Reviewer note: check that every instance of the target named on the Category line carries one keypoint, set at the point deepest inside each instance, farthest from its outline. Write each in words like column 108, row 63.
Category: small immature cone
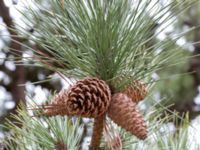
column 124, row 113
column 61, row 146
column 136, row 91
column 113, row 138
column 62, row 2
column 87, row 98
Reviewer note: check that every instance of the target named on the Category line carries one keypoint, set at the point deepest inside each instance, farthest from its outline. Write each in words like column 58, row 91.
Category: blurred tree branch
column 195, row 61
column 22, row 73
column 19, row 76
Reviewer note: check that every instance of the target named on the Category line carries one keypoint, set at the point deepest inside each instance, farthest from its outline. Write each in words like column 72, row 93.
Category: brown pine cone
column 136, row 91
column 58, row 105
column 124, row 113
column 60, row 146
column 87, row 98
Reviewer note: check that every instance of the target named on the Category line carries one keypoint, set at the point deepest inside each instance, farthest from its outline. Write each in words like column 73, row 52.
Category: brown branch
column 99, row 123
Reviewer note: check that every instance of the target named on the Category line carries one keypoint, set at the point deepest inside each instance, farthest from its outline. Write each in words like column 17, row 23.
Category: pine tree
column 110, row 48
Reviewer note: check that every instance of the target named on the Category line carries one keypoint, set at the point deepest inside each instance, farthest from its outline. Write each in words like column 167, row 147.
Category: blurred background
column 179, row 85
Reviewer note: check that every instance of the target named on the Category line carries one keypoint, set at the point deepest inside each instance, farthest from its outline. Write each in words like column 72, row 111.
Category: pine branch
column 104, row 39
column 99, row 124
column 108, row 40
column 43, row 133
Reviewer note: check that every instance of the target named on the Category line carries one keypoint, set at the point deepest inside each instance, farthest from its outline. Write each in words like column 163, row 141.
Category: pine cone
column 136, row 91
column 61, row 146
column 124, row 113
column 88, row 98
column 58, row 105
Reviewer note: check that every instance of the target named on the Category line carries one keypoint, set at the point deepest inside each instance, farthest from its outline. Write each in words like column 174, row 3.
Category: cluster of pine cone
column 91, row 97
